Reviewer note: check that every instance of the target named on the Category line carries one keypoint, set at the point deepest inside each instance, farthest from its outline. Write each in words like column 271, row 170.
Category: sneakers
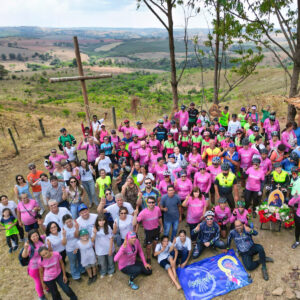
column 101, row 276
column 110, row 275
column 10, row 250
column 269, row 259
column 265, row 274
column 196, row 252
column 15, row 248
column 295, row 245
column 133, row 285
column 91, row 280
column 78, row 279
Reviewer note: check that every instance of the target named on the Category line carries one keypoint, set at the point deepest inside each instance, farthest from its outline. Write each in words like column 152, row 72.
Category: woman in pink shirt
column 154, row 142
column 293, row 201
column 91, row 149
column 103, row 133
column 52, row 271
column 142, row 154
column 214, row 169
column 255, row 176
column 202, row 180
column 30, row 252
column 133, row 146
column 163, row 184
column 183, row 116
column 27, row 210
column 196, row 208
column 126, row 258
column 160, row 168
column 222, row 215
column 275, row 141
column 54, row 157
column 288, row 137
column 240, row 213
column 115, row 139
column 194, row 159
column 225, row 143
column 167, row 123
column 153, row 156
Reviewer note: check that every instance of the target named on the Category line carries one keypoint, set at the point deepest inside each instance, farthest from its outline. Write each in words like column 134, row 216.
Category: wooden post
column 16, row 130
column 82, row 82
column 13, row 140
column 113, row 110
column 42, row 127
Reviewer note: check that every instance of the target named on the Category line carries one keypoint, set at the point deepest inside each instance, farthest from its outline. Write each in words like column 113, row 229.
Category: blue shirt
column 107, row 148
column 297, row 132
column 209, row 234
column 172, row 214
column 154, row 193
column 243, row 241
column 288, row 165
column 235, row 157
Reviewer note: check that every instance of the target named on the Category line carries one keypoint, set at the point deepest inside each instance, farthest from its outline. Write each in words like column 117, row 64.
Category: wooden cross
column 81, row 78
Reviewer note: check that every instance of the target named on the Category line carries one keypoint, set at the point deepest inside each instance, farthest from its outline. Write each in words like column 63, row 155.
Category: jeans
column 167, row 227
column 54, row 291
column 38, row 197
column 13, row 237
column 74, row 210
column 89, row 186
column 182, row 256
column 75, row 266
column 134, row 270
column 297, row 227
column 200, row 247
column 106, row 263
column 247, row 257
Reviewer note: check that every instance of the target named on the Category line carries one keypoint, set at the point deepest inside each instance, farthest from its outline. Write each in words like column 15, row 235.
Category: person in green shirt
column 266, row 114
column 11, row 231
column 224, row 118
column 295, row 182
column 103, row 183
column 242, row 117
column 65, row 137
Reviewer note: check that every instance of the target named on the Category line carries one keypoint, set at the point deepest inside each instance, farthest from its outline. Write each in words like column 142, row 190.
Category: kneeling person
column 208, row 235
column 242, row 235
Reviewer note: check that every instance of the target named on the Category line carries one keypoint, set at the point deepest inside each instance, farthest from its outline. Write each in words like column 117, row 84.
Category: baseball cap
column 126, row 121
column 83, row 232
column 81, row 207
column 139, row 123
column 161, row 121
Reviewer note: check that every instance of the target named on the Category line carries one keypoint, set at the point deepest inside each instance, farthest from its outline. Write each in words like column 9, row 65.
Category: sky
column 85, row 13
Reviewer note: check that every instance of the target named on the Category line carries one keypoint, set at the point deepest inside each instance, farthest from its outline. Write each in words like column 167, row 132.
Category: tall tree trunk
column 296, row 71
column 217, row 52
column 174, row 82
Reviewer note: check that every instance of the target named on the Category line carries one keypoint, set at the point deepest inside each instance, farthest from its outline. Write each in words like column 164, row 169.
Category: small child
column 104, row 246
column 11, row 231
column 165, row 252
column 242, row 214
column 222, row 215
column 88, row 257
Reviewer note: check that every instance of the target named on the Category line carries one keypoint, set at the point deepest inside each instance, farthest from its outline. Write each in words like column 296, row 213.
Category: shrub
column 65, row 112
column 81, row 114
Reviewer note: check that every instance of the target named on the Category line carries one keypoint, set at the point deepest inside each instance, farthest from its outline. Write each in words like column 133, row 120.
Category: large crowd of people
column 208, row 174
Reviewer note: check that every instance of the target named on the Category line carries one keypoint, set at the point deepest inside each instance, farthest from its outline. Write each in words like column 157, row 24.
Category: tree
column 226, row 37
column 163, row 11
column 260, row 28
column 3, row 72
column 3, row 57
column 12, row 56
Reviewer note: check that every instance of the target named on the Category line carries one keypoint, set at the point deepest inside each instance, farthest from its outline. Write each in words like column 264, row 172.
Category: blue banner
column 213, row 276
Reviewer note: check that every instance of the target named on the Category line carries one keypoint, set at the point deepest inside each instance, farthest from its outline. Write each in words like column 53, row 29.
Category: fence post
column 13, row 140
column 114, row 117
column 16, row 130
column 42, row 127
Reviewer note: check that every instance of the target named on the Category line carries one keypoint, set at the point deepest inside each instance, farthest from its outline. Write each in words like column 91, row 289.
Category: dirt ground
column 16, row 282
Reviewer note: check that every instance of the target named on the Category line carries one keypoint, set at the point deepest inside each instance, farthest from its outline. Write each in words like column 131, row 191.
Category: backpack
column 24, row 261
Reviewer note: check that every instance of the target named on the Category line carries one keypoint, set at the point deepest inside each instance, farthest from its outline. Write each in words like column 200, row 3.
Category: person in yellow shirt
column 211, row 152
column 103, row 183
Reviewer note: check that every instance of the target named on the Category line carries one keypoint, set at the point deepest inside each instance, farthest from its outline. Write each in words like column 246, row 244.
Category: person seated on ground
column 126, row 258
column 208, row 235
column 183, row 245
column 165, row 252
column 242, row 236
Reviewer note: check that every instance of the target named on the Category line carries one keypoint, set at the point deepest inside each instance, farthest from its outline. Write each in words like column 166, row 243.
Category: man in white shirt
column 115, row 208
column 103, row 162
column 86, row 220
column 54, row 215
column 96, row 124
column 234, row 125
column 203, row 117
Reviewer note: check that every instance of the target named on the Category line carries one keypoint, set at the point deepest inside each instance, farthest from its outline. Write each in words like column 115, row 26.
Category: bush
column 65, row 112
column 81, row 114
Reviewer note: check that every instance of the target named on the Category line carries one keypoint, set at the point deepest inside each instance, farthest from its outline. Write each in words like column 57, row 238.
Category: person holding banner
column 208, row 235
column 242, row 235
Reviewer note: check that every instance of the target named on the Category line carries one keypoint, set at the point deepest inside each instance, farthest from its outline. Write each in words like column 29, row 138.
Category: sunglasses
column 108, row 194
column 209, row 219
column 202, row 169
column 32, row 168
column 151, row 202
column 72, row 181
column 148, row 183
column 53, row 151
column 20, row 178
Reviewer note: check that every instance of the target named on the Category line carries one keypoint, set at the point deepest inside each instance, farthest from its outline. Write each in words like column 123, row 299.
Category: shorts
column 152, row 235
column 31, row 226
column 165, row 263
column 90, row 266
